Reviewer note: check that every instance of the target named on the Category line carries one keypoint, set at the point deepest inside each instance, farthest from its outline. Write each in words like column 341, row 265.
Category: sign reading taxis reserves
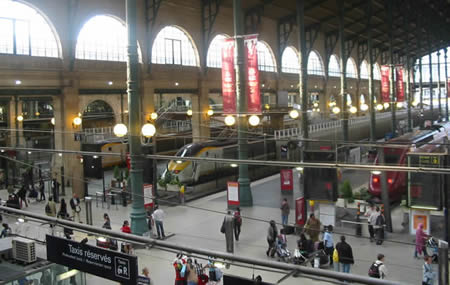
column 104, row 263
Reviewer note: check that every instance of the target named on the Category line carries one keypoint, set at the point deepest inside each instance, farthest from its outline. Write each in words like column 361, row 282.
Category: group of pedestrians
column 376, row 223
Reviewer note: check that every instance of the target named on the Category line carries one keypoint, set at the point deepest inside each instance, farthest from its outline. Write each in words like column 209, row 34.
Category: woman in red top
column 126, row 247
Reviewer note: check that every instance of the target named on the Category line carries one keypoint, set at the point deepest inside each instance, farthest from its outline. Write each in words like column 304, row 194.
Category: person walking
column 328, row 243
column 379, row 228
column 368, row 214
column 63, row 209
column 312, row 228
column 237, row 223
column 146, row 274
column 378, row 269
column 55, row 189
column 227, row 228
column 345, row 253
column 285, row 210
column 50, row 208
column 191, row 273
column 272, row 234
column 76, row 209
column 428, row 273
column 107, row 222
column 421, row 237
column 372, row 222
column 6, row 232
column 22, row 194
column 41, row 188
column 158, row 217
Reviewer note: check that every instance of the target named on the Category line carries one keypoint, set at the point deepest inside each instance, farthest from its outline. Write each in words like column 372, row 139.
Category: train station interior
column 200, row 107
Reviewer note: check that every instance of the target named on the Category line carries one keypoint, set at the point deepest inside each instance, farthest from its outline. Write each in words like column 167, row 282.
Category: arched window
column 173, row 46
column 290, row 61
column 364, row 70
column 266, row 60
column 102, row 38
column 376, row 72
column 214, row 57
column 98, row 108
column 351, row 69
column 362, row 99
column 24, row 31
column 334, row 69
column 315, row 66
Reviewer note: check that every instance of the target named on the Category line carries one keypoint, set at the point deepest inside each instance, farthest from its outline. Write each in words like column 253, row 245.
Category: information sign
column 148, row 195
column 104, row 263
column 233, row 193
column 287, row 180
column 300, row 211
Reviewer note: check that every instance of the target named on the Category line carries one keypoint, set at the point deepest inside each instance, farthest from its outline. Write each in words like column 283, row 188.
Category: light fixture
column 399, row 105
column 110, row 83
column 21, row 220
column 29, row 152
column 230, row 120
column 299, row 168
column 20, row 118
column 353, row 110
column 210, row 112
column 379, row 107
column 176, row 83
column 189, row 112
column 332, row 104
column 2, row 150
column 101, row 239
column 234, row 165
column 81, row 160
column 376, row 172
column 77, row 121
column 336, row 110
column 267, row 106
column 18, row 82
column 253, row 120
column 263, row 85
column 148, row 130
column 95, row 156
column 120, row 130
column 315, row 104
column 294, row 114
column 179, row 161
column 364, row 107
column 154, row 116
column 351, row 87
column 60, row 154
column 126, row 111
column 315, row 86
column 292, row 86
column 415, row 103
column 386, row 105
column 53, row 121
column 37, row 114
column 318, row 110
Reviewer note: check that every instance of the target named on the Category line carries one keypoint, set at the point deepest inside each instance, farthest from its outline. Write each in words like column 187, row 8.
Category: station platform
column 197, row 224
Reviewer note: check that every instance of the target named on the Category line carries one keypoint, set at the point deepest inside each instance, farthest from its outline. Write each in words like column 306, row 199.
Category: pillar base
column 138, row 221
column 245, row 192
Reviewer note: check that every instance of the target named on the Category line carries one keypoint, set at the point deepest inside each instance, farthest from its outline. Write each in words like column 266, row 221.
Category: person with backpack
column 272, row 234
column 428, row 274
column 345, row 254
column 378, row 269
column 237, row 223
column 328, row 243
column 50, row 208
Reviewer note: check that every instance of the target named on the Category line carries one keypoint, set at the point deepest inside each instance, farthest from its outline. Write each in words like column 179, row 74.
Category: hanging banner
column 385, row 84
column 399, row 84
column 448, row 87
column 228, row 77
column 253, row 92
column 287, row 180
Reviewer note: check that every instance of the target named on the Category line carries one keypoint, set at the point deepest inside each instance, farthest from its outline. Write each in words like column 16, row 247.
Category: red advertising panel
column 228, row 77
column 300, row 211
column 385, row 83
column 399, row 84
column 448, row 87
column 253, row 92
column 287, row 180
column 233, row 193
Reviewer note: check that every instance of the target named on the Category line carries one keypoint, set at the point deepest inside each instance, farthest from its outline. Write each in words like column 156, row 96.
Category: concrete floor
column 198, row 223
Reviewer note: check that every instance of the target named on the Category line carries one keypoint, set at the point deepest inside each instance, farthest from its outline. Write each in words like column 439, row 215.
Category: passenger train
column 190, row 172
column 396, row 155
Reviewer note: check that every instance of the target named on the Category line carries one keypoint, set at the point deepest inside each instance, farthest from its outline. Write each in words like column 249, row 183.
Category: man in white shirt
column 372, row 222
column 158, row 216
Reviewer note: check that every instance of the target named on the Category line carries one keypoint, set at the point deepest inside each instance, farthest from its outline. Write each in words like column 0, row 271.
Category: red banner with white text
column 385, row 83
column 399, row 84
column 228, row 77
column 253, row 92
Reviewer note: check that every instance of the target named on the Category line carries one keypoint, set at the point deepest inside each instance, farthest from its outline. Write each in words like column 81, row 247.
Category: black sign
column 142, row 280
column 235, row 280
column 104, row 263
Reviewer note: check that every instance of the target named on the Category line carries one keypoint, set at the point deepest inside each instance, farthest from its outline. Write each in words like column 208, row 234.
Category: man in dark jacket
column 272, row 234
column 345, row 255
column 76, row 209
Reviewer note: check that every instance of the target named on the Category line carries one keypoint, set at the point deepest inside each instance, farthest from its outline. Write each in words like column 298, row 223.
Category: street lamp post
column 138, row 215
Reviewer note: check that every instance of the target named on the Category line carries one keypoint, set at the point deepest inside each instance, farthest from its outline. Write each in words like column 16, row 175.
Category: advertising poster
column 111, row 265
column 300, row 211
column 233, row 193
column 385, row 84
column 228, row 77
column 148, row 195
column 287, row 180
column 399, row 84
column 253, row 92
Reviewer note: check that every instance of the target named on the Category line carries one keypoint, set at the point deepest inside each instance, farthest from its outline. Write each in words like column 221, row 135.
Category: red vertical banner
column 228, row 77
column 448, row 87
column 385, row 83
column 399, row 84
column 286, row 180
column 300, row 211
column 253, row 92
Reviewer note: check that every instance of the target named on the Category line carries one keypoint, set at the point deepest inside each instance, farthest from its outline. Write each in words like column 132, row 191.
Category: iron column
column 392, row 69
column 431, row 77
column 245, row 193
column 439, row 84
column 343, row 63
column 373, row 137
column 303, row 76
column 446, row 85
column 420, row 84
column 408, row 72
column 138, row 215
